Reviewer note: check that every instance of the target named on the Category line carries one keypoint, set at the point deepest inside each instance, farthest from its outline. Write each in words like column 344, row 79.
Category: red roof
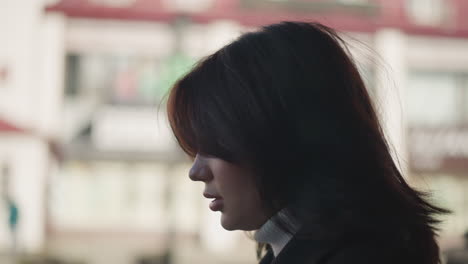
column 6, row 126
column 382, row 14
column 54, row 146
column 139, row 10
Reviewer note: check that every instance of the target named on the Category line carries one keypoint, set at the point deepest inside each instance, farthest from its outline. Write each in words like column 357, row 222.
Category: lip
column 211, row 196
column 217, row 204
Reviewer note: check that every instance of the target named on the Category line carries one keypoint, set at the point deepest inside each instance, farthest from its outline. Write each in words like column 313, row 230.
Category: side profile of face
column 233, row 190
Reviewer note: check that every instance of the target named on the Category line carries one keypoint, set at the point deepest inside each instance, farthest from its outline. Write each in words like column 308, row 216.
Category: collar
column 303, row 250
column 270, row 233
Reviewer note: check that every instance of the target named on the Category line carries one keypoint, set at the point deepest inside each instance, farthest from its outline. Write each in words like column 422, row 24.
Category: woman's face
column 233, row 190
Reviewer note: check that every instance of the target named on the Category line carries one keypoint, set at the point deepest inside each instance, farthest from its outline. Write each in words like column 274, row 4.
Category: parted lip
column 210, row 196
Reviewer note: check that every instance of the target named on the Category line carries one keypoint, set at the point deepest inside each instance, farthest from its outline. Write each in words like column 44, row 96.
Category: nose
column 200, row 170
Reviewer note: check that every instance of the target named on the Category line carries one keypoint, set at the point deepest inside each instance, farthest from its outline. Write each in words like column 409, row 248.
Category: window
column 188, row 5
column 437, row 118
column 437, row 98
column 118, row 79
column 428, row 12
column 92, row 195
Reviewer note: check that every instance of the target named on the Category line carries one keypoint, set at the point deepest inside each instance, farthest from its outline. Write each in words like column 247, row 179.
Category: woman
column 285, row 137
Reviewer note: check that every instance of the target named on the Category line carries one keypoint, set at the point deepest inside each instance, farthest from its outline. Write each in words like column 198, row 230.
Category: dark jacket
column 356, row 251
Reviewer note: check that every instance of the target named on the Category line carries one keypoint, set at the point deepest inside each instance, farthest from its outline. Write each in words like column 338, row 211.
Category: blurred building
column 90, row 74
column 29, row 104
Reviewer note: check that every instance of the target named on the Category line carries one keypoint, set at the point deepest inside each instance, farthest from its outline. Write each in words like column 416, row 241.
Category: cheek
column 242, row 188
column 235, row 184
column 240, row 191
column 242, row 205
column 243, row 208
column 235, row 181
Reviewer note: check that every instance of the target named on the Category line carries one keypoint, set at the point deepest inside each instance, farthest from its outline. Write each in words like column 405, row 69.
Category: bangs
column 194, row 112
column 178, row 111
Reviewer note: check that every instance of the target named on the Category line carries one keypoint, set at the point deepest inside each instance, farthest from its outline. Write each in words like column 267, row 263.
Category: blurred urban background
column 89, row 170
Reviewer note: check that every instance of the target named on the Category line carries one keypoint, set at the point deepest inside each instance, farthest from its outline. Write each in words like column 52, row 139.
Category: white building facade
column 91, row 74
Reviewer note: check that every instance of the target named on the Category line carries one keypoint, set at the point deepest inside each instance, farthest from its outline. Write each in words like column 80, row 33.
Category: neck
column 270, row 233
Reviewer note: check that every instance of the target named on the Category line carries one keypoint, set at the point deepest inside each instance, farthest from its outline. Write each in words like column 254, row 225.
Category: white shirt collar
column 270, row 233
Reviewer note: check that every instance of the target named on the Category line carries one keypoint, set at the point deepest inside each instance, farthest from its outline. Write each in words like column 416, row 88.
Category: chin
column 230, row 224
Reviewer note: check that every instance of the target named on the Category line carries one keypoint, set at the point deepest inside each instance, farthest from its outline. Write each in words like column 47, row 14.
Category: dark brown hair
column 289, row 102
